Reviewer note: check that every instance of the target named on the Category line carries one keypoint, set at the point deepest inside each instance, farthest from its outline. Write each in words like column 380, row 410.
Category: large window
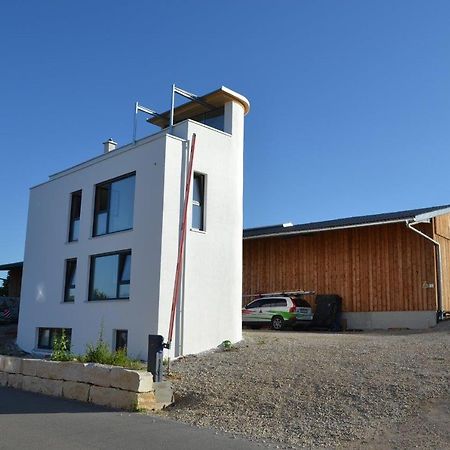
column 46, row 336
column 114, row 205
column 198, row 202
column 110, row 276
column 75, row 212
column 71, row 272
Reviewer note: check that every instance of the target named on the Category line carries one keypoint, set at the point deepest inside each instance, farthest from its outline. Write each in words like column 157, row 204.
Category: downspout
column 440, row 313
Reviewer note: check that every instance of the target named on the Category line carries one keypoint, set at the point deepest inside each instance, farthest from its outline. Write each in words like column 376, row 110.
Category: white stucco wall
column 209, row 309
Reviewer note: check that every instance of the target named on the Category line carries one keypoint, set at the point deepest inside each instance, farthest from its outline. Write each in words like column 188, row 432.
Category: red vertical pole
column 181, row 244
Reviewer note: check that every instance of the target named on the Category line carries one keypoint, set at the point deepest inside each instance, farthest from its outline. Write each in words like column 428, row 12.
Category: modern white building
column 102, row 238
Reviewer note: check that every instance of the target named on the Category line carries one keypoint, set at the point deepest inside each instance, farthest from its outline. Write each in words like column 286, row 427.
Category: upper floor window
column 110, row 276
column 214, row 118
column 114, row 205
column 198, row 202
column 69, row 288
column 75, row 212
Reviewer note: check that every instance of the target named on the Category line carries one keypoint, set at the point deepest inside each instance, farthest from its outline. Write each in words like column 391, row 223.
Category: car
column 278, row 311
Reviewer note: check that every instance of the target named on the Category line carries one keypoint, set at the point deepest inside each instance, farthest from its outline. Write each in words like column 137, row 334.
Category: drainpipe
column 440, row 313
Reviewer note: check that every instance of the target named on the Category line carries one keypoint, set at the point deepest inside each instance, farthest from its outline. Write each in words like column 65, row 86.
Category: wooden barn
column 392, row 270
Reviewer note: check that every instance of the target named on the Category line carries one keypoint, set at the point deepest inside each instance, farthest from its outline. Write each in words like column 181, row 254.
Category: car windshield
column 301, row 302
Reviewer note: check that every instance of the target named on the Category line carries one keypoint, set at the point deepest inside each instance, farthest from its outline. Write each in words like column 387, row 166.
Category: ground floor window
column 121, row 340
column 110, row 276
column 46, row 336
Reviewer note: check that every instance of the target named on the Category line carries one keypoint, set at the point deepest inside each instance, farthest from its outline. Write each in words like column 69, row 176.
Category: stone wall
column 111, row 386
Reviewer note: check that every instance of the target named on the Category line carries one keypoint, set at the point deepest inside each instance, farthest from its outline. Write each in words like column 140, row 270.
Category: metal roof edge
column 317, row 230
column 431, row 214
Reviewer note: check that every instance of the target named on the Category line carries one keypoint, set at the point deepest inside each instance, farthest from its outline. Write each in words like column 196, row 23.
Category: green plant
column 227, row 345
column 101, row 353
column 61, row 348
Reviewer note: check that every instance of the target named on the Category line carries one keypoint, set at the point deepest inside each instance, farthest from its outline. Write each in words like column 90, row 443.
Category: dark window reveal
column 71, row 272
column 198, row 202
column 214, row 118
column 75, row 212
column 46, row 336
column 110, row 276
column 121, row 339
column 114, row 205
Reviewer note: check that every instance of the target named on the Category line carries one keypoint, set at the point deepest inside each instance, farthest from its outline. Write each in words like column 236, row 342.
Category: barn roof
column 14, row 265
column 348, row 222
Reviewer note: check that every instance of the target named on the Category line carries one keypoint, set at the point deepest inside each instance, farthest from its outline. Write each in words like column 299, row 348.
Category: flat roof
column 348, row 222
column 215, row 99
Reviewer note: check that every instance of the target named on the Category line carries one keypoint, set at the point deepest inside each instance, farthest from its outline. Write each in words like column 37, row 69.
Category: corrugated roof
column 347, row 222
column 10, row 266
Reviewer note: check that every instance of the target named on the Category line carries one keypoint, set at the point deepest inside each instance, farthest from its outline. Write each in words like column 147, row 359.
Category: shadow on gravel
column 15, row 401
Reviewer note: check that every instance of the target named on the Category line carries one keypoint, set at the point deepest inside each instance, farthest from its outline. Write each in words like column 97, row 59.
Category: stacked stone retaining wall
column 111, row 386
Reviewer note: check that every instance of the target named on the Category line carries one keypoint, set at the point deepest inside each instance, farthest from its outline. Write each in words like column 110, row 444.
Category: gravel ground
column 309, row 390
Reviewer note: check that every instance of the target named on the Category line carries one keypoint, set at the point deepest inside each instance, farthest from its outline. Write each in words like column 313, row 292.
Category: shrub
column 101, row 353
column 61, row 348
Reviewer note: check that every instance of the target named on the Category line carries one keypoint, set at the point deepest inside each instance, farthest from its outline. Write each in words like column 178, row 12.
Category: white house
column 102, row 239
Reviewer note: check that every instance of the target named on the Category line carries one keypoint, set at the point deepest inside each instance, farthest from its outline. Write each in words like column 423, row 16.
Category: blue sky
column 350, row 99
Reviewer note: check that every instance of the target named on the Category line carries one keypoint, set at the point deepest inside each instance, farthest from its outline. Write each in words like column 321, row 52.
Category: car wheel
column 277, row 323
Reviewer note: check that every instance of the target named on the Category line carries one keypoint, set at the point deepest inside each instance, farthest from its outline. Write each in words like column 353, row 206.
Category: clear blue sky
column 350, row 99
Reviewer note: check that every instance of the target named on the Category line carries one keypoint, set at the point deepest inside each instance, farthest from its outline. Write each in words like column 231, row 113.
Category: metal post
column 136, row 108
column 172, row 107
column 155, row 356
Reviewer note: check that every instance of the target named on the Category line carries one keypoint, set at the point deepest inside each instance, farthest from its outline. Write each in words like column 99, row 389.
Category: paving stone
column 96, row 374
column 114, row 398
column 15, row 380
column 10, row 364
column 3, row 379
column 30, row 366
column 75, row 390
column 131, row 380
column 72, row 371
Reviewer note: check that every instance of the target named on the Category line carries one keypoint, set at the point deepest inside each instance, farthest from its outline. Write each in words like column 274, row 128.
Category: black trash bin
column 328, row 312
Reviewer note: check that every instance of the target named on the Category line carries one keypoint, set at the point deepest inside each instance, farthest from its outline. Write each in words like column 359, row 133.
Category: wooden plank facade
column 373, row 268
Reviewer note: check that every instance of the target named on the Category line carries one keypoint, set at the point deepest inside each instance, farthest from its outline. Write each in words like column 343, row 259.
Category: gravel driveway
column 294, row 389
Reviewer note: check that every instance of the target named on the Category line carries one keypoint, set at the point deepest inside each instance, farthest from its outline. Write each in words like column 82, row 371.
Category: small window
column 110, row 276
column 114, row 205
column 75, row 213
column 198, row 202
column 46, row 336
column 71, row 272
column 214, row 118
column 121, row 340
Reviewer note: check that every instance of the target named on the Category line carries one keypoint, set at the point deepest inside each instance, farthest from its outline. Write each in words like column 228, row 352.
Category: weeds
column 61, row 348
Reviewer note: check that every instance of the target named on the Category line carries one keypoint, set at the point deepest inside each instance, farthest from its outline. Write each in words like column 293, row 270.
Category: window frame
column 120, row 253
column 52, row 333
column 67, row 287
column 108, row 184
column 200, row 204
column 72, row 218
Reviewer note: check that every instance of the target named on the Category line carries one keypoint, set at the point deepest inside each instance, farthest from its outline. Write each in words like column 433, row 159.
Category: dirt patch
column 312, row 390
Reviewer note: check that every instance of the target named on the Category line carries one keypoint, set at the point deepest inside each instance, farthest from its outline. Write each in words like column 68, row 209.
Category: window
column 110, row 276
column 121, row 340
column 46, row 336
column 275, row 302
column 255, row 304
column 198, row 202
column 75, row 212
column 214, row 118
column 69, row 288
column 114, row 205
